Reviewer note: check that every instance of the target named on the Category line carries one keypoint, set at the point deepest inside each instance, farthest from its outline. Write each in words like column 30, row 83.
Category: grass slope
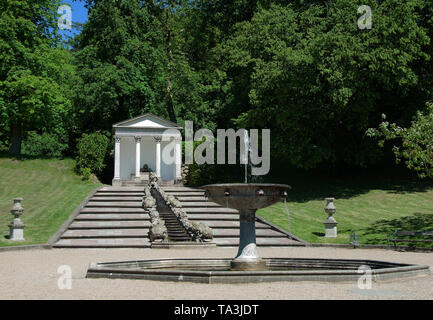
column 370, row 206
column 51, row 192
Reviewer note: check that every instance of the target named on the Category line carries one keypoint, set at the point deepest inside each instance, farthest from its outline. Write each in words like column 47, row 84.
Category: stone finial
column 16, row 227
column 330, row 223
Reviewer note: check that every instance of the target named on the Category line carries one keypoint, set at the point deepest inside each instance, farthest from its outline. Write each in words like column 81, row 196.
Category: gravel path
column 32, row 274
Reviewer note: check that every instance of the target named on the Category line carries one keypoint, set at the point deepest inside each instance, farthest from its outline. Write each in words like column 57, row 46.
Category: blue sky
column 79, row 14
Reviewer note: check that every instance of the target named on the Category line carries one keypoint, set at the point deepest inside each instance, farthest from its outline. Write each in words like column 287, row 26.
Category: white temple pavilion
column 147, row 140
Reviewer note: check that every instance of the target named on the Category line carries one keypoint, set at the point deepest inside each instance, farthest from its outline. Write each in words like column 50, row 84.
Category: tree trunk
column 169, row 94
column 16, row 138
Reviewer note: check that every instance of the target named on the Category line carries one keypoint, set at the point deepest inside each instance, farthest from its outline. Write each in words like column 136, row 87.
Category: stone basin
column 247, row 198
column 279, row 269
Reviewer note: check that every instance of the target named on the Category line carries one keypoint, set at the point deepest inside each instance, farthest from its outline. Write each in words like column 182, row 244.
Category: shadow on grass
column 318, row 184
column 318, row 234
column 379, row 230
column 27, row 157
column 312, row 188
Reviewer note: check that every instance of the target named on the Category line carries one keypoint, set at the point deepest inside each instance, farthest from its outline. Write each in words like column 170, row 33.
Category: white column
column 137, row 157
column 178, row 163
column 116, row 160
column 158, row 156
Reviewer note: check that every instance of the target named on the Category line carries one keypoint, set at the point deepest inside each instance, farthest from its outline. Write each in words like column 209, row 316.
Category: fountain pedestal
column 247, row 257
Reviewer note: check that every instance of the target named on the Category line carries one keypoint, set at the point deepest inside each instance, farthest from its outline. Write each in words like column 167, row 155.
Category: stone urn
column 330, row 223
column 16, row 227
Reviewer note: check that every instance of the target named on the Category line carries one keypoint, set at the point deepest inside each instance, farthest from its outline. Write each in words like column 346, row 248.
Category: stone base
column 16, row 234
column 248, row 265
column 182, row 245
column 116, row 183
column 330, row 231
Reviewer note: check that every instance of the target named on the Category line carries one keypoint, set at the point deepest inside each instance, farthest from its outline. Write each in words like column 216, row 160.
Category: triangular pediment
column 147, row 120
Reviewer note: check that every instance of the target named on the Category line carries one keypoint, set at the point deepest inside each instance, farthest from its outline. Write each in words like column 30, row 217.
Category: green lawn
column 370, row 206
column 51, row 192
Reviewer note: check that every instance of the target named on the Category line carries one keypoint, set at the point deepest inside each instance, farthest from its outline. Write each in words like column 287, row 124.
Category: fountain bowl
column 243, row 196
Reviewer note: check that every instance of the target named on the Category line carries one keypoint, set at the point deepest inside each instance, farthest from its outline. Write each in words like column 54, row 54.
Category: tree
column 34, row 69
column 415, row 145
column 308, row 73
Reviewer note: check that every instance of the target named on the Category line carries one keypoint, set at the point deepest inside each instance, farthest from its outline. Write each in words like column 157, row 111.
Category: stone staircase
column 224, row 222
column 176, row 232
column 114, row 218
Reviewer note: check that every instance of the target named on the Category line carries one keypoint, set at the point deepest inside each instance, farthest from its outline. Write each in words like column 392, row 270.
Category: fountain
column 247, row 266
column 247, row 199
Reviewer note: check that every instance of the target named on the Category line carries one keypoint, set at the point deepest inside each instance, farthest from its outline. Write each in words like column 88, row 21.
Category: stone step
column 112, row 210
column 261, row 242
column 109, row 224
column 119, row 194
column 193, row 198
column 224, row 224
column 182, row 189
column 235, row 233
column 210, row 210
column 109, row 216
column 103, row 243
column 207, row 216
column 177, row 230
column 106, row 233
column 201, row 204
column 185, row 194
column 116, row 198
column 134, row 183
column 109, row 204
column 121, row 189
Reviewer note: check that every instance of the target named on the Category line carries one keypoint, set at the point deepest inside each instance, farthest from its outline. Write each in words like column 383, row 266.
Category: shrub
column 86, row 174
column 414, row 143
column 45, row 144
column 92, row 152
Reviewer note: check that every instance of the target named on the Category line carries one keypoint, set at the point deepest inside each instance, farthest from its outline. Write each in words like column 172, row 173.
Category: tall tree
column 34, row 69
column 130, row 60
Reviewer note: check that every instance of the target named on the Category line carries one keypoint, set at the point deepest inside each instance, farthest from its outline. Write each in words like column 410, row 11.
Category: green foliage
column 318, row 82
column 130, row 60
column 416, row 141
column 86, row 174
column 202, row 174
column 92, row 152
column 34, row 70
column 45, row 144
column 300, row 68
